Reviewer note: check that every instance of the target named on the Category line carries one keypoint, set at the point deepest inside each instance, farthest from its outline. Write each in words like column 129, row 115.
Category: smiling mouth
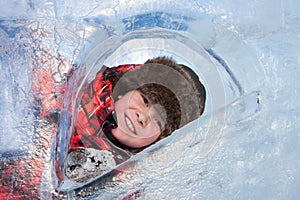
column 129, row 124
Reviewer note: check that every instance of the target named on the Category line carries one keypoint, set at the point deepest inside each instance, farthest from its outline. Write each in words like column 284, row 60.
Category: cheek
column 118, row 105
column 140, row 142
column 134, row 142
column 120, row 108
column 149, row 139
column 151, row 132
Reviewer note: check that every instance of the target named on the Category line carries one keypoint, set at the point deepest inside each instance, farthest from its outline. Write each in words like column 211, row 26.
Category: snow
column 236, row 47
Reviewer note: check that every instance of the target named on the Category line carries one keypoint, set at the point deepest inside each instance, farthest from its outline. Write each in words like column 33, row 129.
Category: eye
column 145, row 99
column 159, row 124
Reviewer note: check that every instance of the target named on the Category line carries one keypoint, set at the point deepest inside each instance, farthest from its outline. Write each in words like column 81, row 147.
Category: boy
column 127, row 108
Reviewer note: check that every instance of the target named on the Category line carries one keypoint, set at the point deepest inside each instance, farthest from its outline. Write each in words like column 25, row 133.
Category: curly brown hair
column 174, row 86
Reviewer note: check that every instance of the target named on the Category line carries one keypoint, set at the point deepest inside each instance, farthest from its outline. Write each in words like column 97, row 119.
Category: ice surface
column 246, row 46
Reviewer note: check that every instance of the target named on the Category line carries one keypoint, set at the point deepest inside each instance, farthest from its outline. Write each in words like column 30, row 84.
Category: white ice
column 253, row 157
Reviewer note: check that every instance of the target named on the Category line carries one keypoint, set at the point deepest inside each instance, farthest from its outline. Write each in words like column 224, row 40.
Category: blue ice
column 247, row 145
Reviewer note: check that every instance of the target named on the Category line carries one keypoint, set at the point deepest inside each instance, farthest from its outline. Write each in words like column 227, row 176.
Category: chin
column 139, row 145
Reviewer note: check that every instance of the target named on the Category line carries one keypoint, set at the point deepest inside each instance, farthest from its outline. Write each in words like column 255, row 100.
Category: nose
column 143, row 116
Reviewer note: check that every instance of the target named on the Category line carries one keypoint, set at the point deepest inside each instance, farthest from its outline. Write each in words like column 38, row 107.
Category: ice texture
column 254, row 46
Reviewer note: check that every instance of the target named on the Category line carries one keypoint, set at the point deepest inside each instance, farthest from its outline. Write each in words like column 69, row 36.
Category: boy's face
column 139, row 122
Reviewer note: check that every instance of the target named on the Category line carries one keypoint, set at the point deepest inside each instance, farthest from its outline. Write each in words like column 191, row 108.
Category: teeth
column 129, row 124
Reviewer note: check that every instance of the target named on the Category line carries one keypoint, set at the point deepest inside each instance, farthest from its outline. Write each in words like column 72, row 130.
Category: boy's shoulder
column 110, row 73
column 119, row 68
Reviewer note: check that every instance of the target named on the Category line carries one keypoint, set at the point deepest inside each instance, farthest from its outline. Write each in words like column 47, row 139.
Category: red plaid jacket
column 96, row 106
column 22, row 179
